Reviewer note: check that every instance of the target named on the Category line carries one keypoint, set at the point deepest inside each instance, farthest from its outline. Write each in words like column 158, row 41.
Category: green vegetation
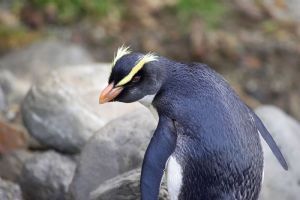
column 270, row 26
column 11, row 38
column 68, row 11
column 71, row 10
column 211, row 11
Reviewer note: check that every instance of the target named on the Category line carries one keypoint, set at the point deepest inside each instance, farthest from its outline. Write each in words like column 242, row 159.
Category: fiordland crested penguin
column 206, row 137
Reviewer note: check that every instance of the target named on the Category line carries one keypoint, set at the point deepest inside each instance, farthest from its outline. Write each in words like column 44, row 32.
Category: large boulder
column 124, row 186
column 116, row 148
column 62, row 110
column 47, row 176
column 280, row 184
column 36, row 60
column 19, row 69
column 9, row 191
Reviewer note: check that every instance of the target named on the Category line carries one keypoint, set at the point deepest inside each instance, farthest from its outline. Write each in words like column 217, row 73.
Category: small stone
column 47, row 176
column 2, row 101
column 9, row 191
column 124, row 187
column 249, row 8
column 11, row 138
column 13, row 88
column 7, row 18
column 283, row 10
column 116, row 148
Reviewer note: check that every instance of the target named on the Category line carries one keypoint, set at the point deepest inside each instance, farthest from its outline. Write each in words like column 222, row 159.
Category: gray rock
column 2, row 101
column 14, row 88
column 11, row 164
column 279, row 184
column 9, row 191
column 47, row 177
column 62, row 111
column 20, row 68
column 36, row 60
column 116, row 148
column 124, row 187
column 56, row 119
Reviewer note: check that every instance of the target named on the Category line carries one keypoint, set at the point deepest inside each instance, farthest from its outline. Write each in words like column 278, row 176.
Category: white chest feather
column 147, row 101
column 174, row 178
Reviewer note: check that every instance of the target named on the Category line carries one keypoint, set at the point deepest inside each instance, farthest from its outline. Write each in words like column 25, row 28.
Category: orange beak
column 109, row 93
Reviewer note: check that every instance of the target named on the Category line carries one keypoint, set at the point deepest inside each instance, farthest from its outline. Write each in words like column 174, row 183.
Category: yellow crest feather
column 145, row 59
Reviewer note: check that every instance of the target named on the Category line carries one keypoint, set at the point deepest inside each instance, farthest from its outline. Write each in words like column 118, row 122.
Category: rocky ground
column 57, row 142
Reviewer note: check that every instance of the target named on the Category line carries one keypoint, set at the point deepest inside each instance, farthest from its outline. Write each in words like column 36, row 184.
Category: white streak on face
column 147, row 101
column 174, row 178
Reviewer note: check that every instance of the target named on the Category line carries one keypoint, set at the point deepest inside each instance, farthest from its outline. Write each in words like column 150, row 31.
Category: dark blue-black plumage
column 218, row 144
column 203, row 124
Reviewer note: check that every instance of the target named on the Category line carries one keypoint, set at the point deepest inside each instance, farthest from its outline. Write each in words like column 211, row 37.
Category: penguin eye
column 136, row 79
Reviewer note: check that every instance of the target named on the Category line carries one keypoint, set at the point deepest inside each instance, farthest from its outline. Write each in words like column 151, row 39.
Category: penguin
column 207, row 139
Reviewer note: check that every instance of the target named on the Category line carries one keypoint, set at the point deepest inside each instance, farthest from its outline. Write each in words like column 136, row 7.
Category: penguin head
column 133, row 76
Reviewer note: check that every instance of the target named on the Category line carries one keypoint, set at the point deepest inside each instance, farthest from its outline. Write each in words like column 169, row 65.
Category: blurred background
column 255, row 44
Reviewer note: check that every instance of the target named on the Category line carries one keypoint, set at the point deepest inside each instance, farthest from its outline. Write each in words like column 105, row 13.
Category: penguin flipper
column 160, row 148
column 270, row 141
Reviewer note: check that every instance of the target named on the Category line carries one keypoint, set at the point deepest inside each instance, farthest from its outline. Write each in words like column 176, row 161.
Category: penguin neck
column 161, row 72
column 168, row 70
column 171, row 71
column 147, row 102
